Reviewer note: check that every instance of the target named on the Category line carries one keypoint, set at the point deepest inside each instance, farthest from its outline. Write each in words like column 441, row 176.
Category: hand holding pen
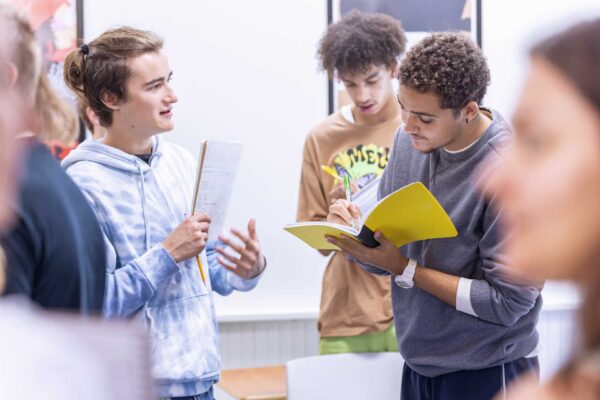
column 338, row 190
column 343, row 211
column 348, row 191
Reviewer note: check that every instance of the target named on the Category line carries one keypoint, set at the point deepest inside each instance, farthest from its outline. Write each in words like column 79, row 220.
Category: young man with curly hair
column 361, row 50
column 464, row 328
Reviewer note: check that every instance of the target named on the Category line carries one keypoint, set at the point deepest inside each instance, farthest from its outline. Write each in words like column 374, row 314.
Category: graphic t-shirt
column 353, row 302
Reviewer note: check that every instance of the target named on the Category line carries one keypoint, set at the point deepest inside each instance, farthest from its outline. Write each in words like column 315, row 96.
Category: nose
column 410, row 123
column 171, row 96
column 362, row 95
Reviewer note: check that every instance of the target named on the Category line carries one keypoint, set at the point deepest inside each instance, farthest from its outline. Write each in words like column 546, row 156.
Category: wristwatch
column 405, row 281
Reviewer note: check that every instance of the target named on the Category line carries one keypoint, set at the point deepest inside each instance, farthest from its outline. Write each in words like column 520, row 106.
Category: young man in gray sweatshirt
column 464, row 327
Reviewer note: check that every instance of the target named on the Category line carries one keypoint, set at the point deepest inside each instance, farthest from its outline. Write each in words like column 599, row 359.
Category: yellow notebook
column 407, row 215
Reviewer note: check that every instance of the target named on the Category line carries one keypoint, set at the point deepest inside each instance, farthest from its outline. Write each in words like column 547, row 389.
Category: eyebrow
column 423, row 114
column 373, row 75
column 158, row 80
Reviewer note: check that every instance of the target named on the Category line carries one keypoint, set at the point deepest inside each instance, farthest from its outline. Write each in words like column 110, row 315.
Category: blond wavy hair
column 56, row 120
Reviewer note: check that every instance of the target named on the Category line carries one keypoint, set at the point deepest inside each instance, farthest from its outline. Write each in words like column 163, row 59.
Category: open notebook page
column 366, row 198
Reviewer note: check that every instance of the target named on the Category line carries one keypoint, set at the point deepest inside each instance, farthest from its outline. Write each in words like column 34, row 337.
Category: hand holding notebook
column 409, row 214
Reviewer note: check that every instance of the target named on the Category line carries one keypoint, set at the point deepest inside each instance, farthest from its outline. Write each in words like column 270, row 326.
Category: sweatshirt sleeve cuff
column 463, row 297
column 157, row 265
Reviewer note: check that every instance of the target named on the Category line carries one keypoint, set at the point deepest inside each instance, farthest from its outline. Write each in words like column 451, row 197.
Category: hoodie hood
column 100, row 153
column 96, row 152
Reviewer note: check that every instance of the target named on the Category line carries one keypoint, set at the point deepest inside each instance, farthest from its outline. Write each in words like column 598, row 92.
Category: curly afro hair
column 359, row 41
column 448, row 64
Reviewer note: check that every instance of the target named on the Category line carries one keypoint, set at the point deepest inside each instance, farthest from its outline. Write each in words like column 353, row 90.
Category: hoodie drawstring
column 144, row 208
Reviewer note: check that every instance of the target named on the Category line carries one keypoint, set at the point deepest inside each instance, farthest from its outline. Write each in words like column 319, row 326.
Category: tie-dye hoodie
column 138, row 205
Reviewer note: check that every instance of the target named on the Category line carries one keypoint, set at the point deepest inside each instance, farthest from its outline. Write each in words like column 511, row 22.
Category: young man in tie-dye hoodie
column 140, row 187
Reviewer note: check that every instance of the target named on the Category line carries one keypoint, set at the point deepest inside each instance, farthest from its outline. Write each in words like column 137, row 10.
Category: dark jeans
column 481, row 384
column 204, row 396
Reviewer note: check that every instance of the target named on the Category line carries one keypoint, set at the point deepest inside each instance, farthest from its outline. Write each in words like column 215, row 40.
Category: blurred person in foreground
column 549, row 187
column 55, row 252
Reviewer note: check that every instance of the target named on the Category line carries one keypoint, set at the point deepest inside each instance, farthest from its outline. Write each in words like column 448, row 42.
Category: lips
column 167, row 113
column 366, row 108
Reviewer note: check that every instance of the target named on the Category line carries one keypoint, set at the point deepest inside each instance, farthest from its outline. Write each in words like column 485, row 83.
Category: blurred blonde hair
column 56, row 120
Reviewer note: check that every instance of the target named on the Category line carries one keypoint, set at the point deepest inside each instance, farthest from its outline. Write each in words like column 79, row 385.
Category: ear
column 110, row 100
column 395, row 70
column 9, row 75
column 470, row 111
column 91, row 115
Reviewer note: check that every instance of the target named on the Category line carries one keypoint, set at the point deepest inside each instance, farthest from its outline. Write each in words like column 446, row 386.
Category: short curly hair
column 448, row 64
column 359, row 41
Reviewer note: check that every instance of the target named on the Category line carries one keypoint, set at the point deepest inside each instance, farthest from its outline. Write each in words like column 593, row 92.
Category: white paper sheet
column 219, row 169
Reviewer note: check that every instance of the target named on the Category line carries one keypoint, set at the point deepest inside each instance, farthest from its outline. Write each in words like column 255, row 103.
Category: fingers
column 231, row 260
column 352, row 245
column 383, row 241
column 347, row 244
column 231, row 267
column 203, row 226
column 241, row 266
column 248, row 251
column 200, row 217
column 339, row 212
column 349, row 249
column 237, row 248
column 250, row 244
column 252, row 228
column 354, row 211
column 200, row 235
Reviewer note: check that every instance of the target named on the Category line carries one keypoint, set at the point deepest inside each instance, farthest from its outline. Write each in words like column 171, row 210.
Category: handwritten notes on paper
column 217, row 169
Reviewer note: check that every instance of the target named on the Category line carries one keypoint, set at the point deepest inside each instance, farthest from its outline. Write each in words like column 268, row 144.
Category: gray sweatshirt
column 495, row 319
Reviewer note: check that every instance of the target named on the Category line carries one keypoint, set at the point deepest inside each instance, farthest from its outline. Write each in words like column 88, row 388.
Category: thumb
column 383, row 241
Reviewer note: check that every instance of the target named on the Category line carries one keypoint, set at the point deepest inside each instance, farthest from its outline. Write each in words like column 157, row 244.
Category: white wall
column 247, row 71
column 258, row 343
column 510, row 27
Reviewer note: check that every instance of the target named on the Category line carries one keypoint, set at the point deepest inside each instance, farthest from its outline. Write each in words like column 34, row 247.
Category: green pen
column 347, row 188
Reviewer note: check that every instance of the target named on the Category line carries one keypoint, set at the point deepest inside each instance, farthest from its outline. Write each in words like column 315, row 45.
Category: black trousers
column 481, row 384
